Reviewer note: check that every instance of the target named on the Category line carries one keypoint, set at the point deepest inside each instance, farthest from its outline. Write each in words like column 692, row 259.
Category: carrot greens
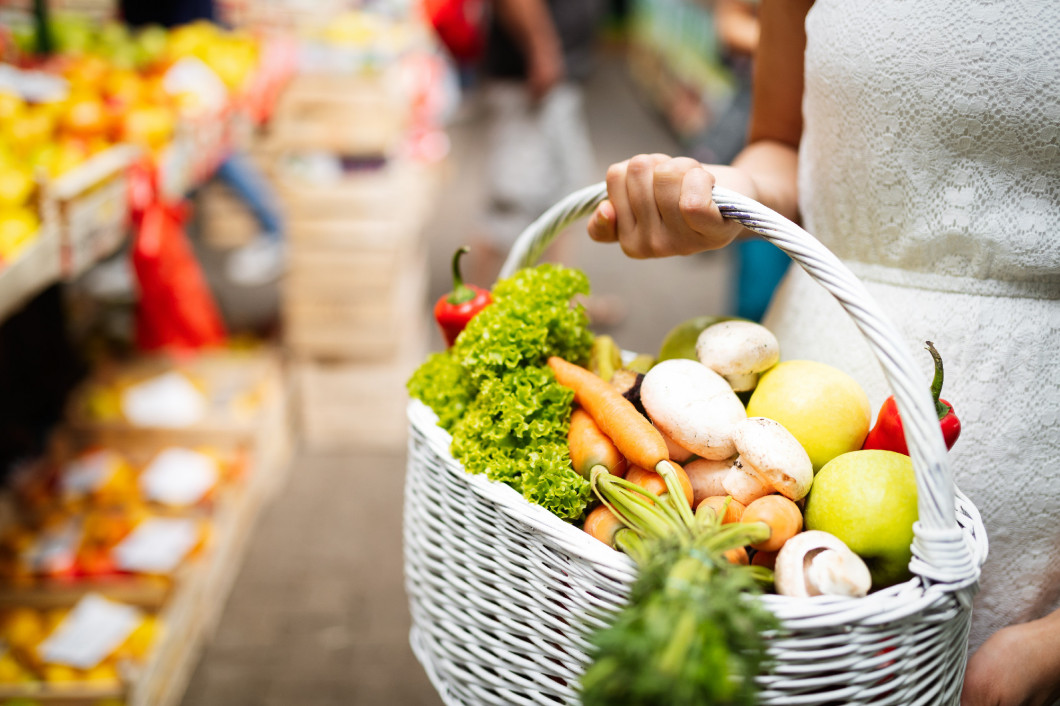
column 692, row 632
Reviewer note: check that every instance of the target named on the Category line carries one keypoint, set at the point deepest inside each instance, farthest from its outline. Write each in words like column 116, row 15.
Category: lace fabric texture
column 930, row 163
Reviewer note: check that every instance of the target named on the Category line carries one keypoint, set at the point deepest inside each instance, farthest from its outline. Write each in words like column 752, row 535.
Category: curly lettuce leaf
column 444, row 385
column 515, row 433
column 493, row 390
column 530, row 319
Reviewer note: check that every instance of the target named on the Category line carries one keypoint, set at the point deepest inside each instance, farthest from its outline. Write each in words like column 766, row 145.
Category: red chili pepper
column 888, row 433
column 453, row 310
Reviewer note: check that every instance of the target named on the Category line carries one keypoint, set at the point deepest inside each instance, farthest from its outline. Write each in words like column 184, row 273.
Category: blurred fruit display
column 136, row 516
column 86, row 649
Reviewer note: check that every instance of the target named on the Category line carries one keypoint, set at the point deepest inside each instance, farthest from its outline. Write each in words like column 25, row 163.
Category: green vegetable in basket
column 692, row 632
column 494, row 393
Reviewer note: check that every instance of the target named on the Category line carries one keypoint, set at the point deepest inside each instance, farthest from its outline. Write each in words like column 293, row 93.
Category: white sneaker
column 258, row 262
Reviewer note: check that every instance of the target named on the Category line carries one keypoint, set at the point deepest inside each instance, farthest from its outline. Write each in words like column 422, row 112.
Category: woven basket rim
column 909, row 597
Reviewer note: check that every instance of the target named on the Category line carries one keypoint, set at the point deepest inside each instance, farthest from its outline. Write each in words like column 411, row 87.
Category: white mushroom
column 706, row 476
column 692, row 405
column 770, row 460
column 816, row 563
column 677, row 452
column 738, row 351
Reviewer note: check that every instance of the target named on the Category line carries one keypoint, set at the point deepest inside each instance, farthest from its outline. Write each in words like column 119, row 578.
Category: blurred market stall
column 132, row 484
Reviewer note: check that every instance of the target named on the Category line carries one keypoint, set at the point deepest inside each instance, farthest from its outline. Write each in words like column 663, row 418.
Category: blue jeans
column 244, row 178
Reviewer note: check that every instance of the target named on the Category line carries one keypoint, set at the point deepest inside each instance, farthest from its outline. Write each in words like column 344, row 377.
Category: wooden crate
column 91, row 207
column 358, row 323
column 348, row 113
column 34, row 269
column 248, row 387
column 179, row 625
column 395, row 191
column 348, row 259
column 345, row 405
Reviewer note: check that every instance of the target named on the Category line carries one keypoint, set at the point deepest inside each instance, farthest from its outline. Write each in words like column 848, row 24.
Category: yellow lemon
column 823, row 407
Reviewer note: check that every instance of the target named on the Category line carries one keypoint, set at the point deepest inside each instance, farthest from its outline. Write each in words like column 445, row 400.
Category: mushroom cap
column 815, row 563
column 693, row 405
column 771, row 451
column 677, row 452
column 737, row 348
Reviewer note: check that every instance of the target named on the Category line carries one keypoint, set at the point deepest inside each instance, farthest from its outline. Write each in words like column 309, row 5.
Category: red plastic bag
column 460, row 25
column 176, row 310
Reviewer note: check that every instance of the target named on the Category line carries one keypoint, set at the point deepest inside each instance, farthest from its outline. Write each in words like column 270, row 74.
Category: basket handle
column 940, row 552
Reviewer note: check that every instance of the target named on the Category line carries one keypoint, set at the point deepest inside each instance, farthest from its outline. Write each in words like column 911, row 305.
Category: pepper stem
column 461, row 292
column 941, row 408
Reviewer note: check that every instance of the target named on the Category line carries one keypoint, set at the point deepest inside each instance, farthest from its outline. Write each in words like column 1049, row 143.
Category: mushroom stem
column 833, row 573
column 744, row 484
column 742, row 383
column 815, row 563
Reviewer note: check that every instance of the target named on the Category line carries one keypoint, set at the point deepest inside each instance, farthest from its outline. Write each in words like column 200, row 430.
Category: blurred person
column 537, row 55
column 263, row 259
column 918, row 142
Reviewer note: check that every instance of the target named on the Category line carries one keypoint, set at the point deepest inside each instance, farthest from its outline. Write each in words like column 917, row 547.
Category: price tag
column 90, row 632
column 179, row 477
column 88, row 472
column 168, row 400
column 55, row 549
column 157, row 545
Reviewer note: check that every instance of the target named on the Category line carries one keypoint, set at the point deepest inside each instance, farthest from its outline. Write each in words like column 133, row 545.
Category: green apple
column 868, row 500
column 680, row 341
column 822, row 407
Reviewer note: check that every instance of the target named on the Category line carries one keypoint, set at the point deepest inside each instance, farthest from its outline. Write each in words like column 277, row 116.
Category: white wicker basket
column 503, row 594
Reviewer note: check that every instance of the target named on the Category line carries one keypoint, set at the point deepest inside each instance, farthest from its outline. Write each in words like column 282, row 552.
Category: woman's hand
column 660, row 206
column 1018, row 666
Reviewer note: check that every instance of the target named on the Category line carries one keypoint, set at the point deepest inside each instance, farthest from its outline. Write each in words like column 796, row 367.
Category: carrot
column 628, row 429
column 729, row 509
column 653, row 482
column 766, row 559
column 602, row 524
column 781, row 515
column 737, row 555
column 590, row 447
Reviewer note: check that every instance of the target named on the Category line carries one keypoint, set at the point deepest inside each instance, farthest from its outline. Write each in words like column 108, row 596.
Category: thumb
column 602, row 226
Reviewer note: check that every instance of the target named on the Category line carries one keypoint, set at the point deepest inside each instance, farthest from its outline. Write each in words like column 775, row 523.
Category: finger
column 616, row 194
column 668, row 182
column 602, row 223
column 640, row 186
column 699, row 211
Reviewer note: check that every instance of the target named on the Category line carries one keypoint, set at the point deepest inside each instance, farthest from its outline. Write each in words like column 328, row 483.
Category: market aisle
column 318, row 615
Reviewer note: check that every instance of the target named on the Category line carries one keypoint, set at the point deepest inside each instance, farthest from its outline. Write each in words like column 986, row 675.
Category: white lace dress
column 930, row 163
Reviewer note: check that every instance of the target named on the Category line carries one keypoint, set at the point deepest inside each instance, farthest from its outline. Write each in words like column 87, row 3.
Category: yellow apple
column 823, row 407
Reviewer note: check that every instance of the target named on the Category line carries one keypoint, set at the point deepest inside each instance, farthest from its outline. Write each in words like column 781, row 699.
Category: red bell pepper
column 452, row 311
column 888, row 433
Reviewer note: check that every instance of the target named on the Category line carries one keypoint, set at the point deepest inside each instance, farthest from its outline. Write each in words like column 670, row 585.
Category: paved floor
column 318, row 615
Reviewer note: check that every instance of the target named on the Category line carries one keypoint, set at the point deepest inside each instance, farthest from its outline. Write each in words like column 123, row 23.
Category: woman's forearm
column 771, row 169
